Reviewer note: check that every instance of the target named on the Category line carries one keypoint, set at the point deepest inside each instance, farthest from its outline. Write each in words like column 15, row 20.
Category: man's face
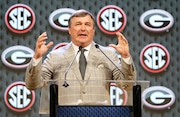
column 82, row 30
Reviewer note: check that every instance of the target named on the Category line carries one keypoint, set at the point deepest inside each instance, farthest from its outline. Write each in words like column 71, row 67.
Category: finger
column 42, row 37
column 41, row 41
column 43, row 34
column 119, row 35
column 50, row 44
column 121, row 38
column 39, row 44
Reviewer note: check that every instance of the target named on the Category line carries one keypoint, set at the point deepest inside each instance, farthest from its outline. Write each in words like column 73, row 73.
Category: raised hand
column 41, row 46
column 122, row 47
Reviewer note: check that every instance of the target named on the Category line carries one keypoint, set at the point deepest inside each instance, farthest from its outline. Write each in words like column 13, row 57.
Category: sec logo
column 154, row 58
column 158, row 97
column 118, row 96
column 17, row 56
column 18, row 98
column 156, row 20
column 111, row 19
column 58, row 19
column 20, row 18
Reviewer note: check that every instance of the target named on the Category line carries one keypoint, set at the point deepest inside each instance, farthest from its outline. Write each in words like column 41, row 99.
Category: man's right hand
column 41, row 47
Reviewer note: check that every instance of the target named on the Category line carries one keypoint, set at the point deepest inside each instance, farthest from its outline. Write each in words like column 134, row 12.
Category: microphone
column 67, row 70
column 97, row 46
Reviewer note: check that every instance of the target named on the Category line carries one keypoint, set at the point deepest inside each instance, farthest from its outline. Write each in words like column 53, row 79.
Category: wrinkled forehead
column 83, row 19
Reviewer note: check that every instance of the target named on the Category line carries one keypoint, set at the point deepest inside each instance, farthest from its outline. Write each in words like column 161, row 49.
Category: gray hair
column 81, row 13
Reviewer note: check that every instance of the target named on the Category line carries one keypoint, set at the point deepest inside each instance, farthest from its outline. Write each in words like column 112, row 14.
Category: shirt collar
column 76, row 48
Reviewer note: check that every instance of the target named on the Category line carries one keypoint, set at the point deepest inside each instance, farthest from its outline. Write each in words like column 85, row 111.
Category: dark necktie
column 82, row 63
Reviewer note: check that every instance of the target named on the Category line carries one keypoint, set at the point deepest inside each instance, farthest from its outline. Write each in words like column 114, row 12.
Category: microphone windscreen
column 80, row 48
column 96, row 45
column 137, row 100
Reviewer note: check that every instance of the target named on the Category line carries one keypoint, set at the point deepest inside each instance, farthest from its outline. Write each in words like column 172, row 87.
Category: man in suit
column 81, row 90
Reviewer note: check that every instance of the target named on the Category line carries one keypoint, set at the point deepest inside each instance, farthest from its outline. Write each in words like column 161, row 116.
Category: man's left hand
column 122, row 47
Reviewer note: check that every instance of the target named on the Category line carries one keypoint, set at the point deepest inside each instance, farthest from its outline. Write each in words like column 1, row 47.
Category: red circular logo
column 18, row 98
column 20, row 18
column 111, row 19
column 154, row 58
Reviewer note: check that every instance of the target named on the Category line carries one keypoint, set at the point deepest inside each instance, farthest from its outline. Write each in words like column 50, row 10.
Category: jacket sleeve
column 129, row 70
column 35, row 74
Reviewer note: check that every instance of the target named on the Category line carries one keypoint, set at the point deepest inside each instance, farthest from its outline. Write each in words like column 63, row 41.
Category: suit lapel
column 92, row 61
column 69, row 56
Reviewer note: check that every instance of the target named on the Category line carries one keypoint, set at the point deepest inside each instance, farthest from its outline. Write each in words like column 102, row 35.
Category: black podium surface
column 94, row 111
column 92, row 98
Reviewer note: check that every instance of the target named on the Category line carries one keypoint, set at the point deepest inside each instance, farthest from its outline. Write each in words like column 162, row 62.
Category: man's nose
column 83, row 27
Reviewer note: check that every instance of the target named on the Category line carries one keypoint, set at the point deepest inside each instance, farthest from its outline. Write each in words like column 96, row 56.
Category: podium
column 89, row 98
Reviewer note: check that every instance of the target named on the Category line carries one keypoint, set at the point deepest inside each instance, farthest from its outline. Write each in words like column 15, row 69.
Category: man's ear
column 69, row 31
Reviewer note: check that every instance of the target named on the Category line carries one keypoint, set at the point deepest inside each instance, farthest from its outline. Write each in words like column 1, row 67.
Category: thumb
column 50, row 44
column 113, row 45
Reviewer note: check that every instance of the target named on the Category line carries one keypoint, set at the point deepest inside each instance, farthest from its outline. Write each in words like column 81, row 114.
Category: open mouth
column 82, row 35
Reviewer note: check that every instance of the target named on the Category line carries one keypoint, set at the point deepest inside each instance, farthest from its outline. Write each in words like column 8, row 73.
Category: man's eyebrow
column 85, row 22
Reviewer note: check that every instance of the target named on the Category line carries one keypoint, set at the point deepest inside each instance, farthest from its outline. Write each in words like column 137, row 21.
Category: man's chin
column 83, row 43
column 83, row 37
column 83, row 40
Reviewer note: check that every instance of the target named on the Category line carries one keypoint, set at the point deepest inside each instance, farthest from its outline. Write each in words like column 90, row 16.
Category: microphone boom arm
column 97, row 46
column 65, row 82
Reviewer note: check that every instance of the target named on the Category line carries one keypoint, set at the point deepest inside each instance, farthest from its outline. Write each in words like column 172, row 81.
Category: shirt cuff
column 127, row 60
column 35, row 61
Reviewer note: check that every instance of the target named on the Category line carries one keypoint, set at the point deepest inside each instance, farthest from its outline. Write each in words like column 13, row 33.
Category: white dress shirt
column 76, row 48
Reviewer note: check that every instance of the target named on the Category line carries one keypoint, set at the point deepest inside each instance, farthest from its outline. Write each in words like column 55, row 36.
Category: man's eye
column 78, row 24
column 88, row 24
